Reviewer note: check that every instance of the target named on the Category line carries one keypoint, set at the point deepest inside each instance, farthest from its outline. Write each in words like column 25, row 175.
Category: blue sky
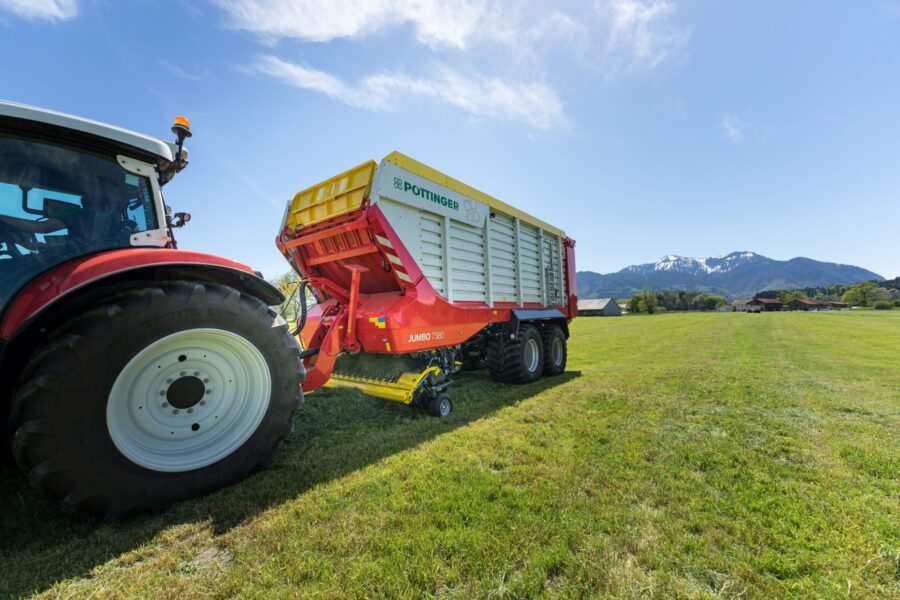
column 641, row 128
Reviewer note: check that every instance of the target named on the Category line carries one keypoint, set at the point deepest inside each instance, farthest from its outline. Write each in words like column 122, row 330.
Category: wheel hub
column 186, row 392
column 557, row 352
column 531, row 354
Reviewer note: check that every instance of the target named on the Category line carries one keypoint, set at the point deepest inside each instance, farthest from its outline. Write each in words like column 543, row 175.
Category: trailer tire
column 555, row 351
column 518, row 360
column 472, row 362
column 214, row 366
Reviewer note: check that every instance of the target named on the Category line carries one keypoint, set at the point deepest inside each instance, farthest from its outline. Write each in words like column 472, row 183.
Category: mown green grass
column 694, row 455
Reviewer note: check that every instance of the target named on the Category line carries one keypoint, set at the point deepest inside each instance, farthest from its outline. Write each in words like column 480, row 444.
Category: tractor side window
column 140, row 208
column 59, row 202
column 56, row 199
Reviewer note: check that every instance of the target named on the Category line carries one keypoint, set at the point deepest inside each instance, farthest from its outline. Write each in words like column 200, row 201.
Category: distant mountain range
column 737, row 275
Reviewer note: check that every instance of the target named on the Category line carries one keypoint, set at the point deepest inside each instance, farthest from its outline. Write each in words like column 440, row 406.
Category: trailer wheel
column 440, row 405
column 555, row 351
column 519, row 360
column 159, row 394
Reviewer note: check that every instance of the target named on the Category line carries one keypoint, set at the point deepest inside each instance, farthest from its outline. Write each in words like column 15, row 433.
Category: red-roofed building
column 767, row 304
column 741, row 305
column 807, row 304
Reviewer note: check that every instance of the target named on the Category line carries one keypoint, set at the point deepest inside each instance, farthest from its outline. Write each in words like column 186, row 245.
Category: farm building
column 598, row 307
column 741, row 305
column 766, row 304
column 807, row 304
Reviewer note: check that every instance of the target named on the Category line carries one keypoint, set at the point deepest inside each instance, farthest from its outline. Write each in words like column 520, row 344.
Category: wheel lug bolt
column 165, row 405
column 190, row 410
column 168, row 381
column 203, row 403
column 162, row 392
column 183, row 373
column 208, row 392
column 176, row 411
column 206, row 380
column 196, row 373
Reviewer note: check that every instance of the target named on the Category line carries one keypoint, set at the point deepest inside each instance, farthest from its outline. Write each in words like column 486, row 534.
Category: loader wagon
column 418, row 276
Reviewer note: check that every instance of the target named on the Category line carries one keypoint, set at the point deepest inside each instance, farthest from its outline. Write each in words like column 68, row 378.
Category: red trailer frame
column 376, row 299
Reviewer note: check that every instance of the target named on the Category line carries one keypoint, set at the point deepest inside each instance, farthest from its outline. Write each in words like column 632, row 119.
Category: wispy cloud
column 640, row 29
column 534, row 104
column 182, row 73
column 640, row 33
column 309, row 79
column 436, row 23
column 41, row 10
column 517, row 46
column 733, row 128
column 252, row 184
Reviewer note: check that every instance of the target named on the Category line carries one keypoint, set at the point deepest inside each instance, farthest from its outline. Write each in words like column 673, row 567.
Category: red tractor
column 132, row 374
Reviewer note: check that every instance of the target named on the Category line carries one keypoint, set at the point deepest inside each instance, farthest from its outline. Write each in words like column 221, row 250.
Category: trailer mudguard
column 518, row 315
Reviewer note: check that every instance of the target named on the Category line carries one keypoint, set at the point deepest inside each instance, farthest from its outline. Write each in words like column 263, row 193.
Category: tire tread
column 34, row 415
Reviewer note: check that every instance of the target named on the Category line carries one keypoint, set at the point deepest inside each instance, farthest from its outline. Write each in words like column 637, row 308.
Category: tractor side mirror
column 179, row 220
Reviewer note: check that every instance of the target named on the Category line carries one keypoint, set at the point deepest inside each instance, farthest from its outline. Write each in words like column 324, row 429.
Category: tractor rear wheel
column 518, row 360
column 555, row 352
column 160, row 393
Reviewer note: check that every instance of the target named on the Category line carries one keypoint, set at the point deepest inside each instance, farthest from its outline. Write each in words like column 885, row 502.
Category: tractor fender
column 66, row 281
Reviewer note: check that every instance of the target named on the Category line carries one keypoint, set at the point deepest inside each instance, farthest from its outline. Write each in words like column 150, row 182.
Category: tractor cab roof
column 50, row 122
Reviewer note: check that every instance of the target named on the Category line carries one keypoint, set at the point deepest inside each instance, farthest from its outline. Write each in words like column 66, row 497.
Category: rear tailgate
column 326, row 229
column 331, row 198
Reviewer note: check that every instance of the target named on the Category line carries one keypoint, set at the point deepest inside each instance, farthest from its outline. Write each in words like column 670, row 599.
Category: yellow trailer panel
column 331, row 198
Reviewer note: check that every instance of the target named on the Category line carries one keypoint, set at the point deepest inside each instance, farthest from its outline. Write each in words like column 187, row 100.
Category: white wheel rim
column 557, row 351
column 532, row 355
column 159, row 418
column 444, row 407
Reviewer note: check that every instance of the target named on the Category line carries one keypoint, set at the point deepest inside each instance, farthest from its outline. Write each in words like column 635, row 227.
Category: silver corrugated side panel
column 467, row 250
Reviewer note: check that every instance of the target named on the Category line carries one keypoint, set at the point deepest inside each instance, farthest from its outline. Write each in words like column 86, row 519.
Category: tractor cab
column 70, row 187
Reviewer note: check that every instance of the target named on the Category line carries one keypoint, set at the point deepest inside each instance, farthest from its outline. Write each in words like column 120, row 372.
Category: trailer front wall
column 467, row 250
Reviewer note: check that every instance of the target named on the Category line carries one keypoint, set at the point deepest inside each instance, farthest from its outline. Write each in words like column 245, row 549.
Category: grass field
column 691, row 455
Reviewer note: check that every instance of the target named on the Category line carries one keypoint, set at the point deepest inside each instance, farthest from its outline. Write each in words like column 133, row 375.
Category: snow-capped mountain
column 684, row 264
column 735, row 275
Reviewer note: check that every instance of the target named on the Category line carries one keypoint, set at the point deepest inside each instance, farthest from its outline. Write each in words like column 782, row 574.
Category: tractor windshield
column 59, row 202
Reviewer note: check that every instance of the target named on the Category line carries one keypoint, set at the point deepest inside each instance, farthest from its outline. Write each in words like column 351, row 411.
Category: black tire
column 471, row 355
column 440, row 405
column 555, row 351
column 507, row 359
column 472, row 362
column 59, row 412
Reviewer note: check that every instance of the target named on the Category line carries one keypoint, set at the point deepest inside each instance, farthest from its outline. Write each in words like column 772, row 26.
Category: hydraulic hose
column 302, row 321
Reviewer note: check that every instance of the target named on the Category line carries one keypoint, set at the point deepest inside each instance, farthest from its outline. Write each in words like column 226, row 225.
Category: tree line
column 877, row 294
column 649, row 301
